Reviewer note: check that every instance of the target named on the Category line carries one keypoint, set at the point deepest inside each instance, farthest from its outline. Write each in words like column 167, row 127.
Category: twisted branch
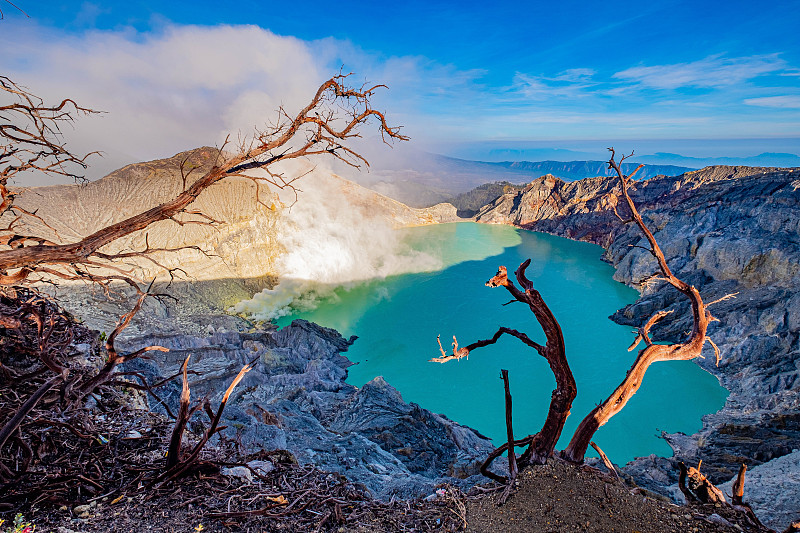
column 540, row 445
column 651, row 353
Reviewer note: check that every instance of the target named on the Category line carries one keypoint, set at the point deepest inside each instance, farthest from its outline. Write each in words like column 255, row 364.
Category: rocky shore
column 296, row 399
column 725, row 230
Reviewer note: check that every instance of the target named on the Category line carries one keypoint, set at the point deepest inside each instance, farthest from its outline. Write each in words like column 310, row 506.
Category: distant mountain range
column 575, row 170
column 765, row 159
column 419, row 179
column 425, row 179
column 695, row 153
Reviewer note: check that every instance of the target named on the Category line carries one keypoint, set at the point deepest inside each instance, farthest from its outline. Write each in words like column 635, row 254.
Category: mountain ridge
column 244, row 244
column 723, row 229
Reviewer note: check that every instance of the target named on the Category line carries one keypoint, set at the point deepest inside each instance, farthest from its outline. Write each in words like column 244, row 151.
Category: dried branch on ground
column 699, row 492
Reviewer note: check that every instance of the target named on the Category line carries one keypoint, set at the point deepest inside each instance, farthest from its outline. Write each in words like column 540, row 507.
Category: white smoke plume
column 332, row 240
column 181, row 86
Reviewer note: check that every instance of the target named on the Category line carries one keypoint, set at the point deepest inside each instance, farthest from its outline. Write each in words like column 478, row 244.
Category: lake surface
column 398, row 318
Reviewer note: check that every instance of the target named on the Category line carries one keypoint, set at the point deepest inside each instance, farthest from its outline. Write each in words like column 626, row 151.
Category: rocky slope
column 725, row 230
column 246, row 242
column 296, row 399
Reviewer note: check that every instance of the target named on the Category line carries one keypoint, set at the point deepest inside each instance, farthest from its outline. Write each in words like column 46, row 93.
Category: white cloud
column 783, row 102
column 576, row 74
column 186, row 86
column 164, row 92
column 571, row 83
column 670, row 123
column 711, row 72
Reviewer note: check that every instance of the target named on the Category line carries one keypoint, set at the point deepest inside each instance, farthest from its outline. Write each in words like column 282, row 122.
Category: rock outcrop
column 296, row 399
column 244, row 242
column 725, row 230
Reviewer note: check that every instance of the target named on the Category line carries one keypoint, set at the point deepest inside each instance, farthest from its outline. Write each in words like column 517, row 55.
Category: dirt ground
column 556, row 497
column 559, row 497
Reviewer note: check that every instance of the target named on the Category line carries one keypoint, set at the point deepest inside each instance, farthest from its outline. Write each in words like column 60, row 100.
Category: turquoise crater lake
column 398, row 318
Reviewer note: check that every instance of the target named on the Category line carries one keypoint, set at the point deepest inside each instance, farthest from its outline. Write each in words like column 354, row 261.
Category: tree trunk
column 691, row 348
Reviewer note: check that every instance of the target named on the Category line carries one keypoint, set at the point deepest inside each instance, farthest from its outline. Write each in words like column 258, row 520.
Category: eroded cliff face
column 724, row 230
column 243, row 240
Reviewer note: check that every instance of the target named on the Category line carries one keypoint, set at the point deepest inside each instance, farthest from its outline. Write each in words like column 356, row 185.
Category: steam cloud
column 181, row 86
column 332, row 241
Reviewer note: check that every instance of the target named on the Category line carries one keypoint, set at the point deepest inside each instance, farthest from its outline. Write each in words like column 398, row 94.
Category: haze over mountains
column 694, row 153
column 765, row 159
column 421, row 179
column 575, row 170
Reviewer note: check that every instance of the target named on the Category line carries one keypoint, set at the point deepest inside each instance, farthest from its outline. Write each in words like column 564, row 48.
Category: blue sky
column 177, row 74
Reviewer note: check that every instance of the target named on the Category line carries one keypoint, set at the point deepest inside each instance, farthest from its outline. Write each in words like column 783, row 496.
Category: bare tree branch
column 689, row 349
column 334, row 115
column 540, row 445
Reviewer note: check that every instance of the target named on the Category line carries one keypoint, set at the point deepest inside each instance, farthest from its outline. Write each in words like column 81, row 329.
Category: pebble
column 238, row 471
column 261, row 467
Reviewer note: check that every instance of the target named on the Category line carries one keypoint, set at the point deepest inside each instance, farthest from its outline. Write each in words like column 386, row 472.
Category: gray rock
column 240, row 472
column 717, row 519
column 296, row 399
column 771, row 490
column 724, row 230
column 261, row 467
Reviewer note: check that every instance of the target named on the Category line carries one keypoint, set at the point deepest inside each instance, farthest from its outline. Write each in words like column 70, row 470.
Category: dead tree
column 651, row 353
column 542, row 444
column 334, row 115
column 31, row 141
column 30, row 131
column 176, row 465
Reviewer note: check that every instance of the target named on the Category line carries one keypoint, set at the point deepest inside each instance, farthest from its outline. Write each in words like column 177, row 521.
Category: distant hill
column 576, row 170
column 469, row 203
column 766, row 159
